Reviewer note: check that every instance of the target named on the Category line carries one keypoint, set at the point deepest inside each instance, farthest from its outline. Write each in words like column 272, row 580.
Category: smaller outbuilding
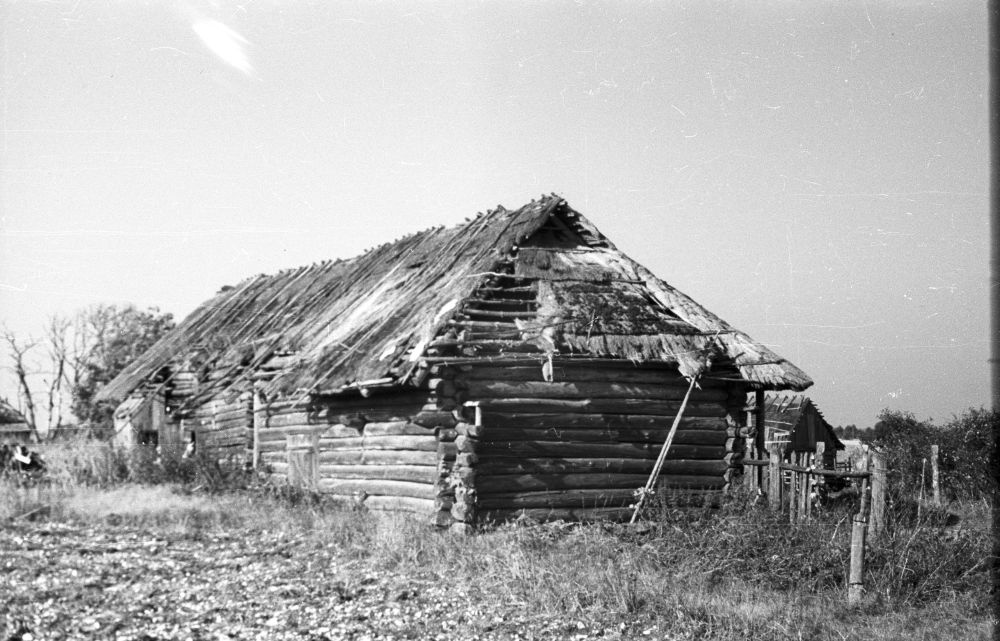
column 793, row 420
column 14, row 428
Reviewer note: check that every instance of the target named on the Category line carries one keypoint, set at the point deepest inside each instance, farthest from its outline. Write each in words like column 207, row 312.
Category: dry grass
column 736, row 572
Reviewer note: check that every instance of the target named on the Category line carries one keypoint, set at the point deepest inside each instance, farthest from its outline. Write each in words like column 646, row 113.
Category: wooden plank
column 290, row 420
column 559, row 449
column 375, row 487
column 594, row 435
column 588, row 390
column 548, row 466
column 599, row 405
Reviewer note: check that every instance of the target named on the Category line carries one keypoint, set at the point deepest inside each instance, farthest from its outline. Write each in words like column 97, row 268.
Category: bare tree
column 60, row 363
column 19, row 351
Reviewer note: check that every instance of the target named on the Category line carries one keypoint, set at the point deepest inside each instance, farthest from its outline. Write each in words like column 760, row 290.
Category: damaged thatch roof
column 12, row 422
column 372, row 317
column 786, row 412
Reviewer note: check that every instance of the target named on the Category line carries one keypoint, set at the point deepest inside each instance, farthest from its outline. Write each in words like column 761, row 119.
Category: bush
column 965, row 444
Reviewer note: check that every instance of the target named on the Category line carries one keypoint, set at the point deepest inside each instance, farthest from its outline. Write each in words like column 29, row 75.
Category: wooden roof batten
column 368, row 321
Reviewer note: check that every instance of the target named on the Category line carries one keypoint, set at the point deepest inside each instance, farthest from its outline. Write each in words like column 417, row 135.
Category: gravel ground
column 73, row 581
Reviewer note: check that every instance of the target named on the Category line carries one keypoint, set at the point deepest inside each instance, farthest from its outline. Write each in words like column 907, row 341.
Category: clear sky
column 814, row 173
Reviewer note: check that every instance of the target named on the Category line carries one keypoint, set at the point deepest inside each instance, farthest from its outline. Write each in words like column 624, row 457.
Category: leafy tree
column 112, row 337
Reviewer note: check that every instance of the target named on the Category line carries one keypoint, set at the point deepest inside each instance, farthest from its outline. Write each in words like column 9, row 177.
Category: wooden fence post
column 878, row 494
column 856, row 578
column 935, row 475
column 259, row 416
column 793, row 490
column 774, row 478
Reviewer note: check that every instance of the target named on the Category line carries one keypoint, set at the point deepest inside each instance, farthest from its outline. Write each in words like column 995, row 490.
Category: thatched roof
column 372, row 317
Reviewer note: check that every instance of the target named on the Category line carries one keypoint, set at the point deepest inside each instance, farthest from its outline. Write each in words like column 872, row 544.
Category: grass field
column 249, row 564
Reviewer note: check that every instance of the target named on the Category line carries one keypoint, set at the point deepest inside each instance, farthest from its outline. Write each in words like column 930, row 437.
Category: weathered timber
column 424, row 442
column 543, row 466
column 617, row 371
column 599, row 405
column 240, row 414
column 446, row 434
column 587, row 390
column 411, row 473
column 490, row 484
column 593, row 435
column 563, row 498
column 435, row 418
column 270, row 433
column 378, row 457
column 395, row 428
column 291, row 419
column 421, row 506
column 376, row 487
column 243, row 431
column 560, row 449
column 493, row 419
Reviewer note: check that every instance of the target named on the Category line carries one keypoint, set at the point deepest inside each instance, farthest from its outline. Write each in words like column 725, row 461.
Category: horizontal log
column 396, row 428
column 240, row 412
column 419, row 506
column 598, row 421
column 599, row 406
column 589, row 390
column 290, row 419
column 559, row 449
column 378, row 457
column 411, row 473
column 243, row 431
column 580, row 498
column 549, row 466
column 425, row 442
column 543, row 482
column 620, row 435
column 327, row 431
column 369, row 415
column 375, row 487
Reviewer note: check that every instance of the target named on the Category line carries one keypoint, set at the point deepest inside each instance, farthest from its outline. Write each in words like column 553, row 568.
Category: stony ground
column 75, row 581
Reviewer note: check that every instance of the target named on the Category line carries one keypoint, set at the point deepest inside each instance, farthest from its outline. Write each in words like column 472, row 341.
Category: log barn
column 518, row 363
column 794, row 421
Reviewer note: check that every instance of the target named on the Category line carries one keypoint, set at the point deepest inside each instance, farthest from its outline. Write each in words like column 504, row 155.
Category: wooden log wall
column 579, row 446
column 368, row 450
column 223, row 424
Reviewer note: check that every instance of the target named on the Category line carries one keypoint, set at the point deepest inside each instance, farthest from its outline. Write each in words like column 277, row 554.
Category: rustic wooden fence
column 794, row 485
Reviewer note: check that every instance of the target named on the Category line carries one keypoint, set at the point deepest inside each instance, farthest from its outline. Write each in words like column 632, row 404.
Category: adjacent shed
column 14, row 427
column 517, row 363
column 794, row 421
